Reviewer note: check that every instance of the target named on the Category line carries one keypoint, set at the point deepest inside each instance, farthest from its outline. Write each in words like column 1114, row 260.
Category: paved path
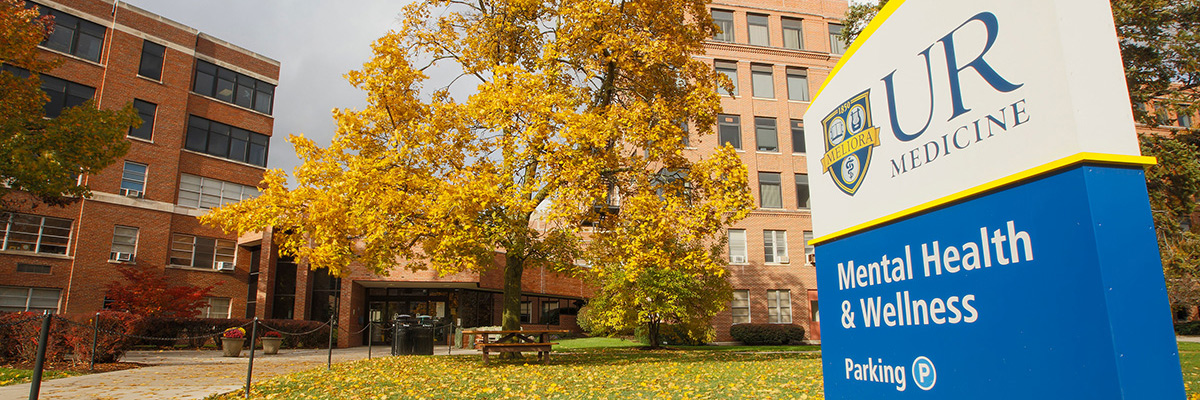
column 189, row 374
column 1193, row 339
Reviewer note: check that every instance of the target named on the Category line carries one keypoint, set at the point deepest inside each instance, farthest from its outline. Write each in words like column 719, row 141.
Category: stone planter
column 232, row 346
column 271, row 344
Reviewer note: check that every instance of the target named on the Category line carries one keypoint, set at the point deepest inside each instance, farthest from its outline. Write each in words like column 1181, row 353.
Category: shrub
column 584, row 319
column 201, row 331
column 767, row 334
column 112, row 341
column 677, row 335
column 1191, row 328
column 20, row 341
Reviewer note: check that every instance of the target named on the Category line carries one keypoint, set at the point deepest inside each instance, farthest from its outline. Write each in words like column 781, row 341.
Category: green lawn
column 591, row 368
column 9, row 376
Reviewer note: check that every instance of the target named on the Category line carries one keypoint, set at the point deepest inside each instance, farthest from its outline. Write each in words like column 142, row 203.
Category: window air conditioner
column 783, row 259
column 737, row 259
column 137, row 194
column 224, row 266
column 123, row 256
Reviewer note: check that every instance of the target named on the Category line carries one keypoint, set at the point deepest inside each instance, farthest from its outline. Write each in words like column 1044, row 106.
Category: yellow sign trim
column 1021, row 176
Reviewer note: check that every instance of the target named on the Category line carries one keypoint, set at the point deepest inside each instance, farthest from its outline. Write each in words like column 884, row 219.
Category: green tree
column 578, row 103
column 40, row 158
column 664, row 262
column 1160, row 49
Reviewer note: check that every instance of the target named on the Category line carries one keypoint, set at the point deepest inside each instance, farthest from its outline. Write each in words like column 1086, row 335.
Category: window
column 38, row 300
column 1185, row 119
column 205, row 193
column 683, row 126
column 770, row 190
column 283, row 303
column 526, row 312
column 741, row 306
column 124, row 241
column 779, row 306
column 762, row 81
column 813, row 315
column 133, row 180
column 218, row 307
column 34, row 233
column 808, row 247
column 729, row 127
column 74, row 35
column 797, row 136
column 765, row 134
column 836, row 45
column 802, row 201
column 548, row 307
column 217, row 139
column 724, row 21
column 793, row 33
column 797, row 81
column 33, row 268
column 737, row 246
column 200, row 252
column 729, row 69
column 775, row 247
column 759, row 29
column 234, row 88
column 64, row 94
column 146, row 110
column 152, row 60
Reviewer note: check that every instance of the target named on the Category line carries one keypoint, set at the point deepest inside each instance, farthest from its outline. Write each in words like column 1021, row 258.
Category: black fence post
column 95, row 337
column 370, row 337
column 329, row 361
column 250, row 366
column 43, row 338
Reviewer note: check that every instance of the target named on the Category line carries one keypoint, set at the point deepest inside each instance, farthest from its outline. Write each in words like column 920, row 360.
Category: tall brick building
column 777, row 52
column 206, row 107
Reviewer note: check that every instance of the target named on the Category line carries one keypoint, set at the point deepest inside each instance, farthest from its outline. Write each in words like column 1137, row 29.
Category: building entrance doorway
column 384, row 305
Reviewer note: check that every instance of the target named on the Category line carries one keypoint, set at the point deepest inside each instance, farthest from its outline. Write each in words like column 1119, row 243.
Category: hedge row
column 767, row 334
column 1190, row 328
column 120, row 331
column 19, row 341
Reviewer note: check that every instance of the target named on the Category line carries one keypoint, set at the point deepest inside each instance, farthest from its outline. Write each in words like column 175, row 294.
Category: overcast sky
column 316, row 42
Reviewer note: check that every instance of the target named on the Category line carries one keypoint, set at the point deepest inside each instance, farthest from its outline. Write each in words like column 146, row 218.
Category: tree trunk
column 513, row 268
column 652, row 334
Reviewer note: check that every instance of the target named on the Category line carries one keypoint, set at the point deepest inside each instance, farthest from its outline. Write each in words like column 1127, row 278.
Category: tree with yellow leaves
column 41, row 158
column 579, row 104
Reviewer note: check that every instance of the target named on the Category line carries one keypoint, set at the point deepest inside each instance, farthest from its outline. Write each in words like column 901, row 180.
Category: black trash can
column 421, row 340
column 402, row 340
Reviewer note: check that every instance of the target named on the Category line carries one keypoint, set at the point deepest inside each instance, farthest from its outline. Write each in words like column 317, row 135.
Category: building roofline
column 194, row 31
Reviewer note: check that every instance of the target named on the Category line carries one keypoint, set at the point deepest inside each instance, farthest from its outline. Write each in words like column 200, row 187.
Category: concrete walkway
column 1192, row 339
column 189, row 374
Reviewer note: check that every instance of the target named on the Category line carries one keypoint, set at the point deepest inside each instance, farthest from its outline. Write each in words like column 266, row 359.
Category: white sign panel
column 943, row 98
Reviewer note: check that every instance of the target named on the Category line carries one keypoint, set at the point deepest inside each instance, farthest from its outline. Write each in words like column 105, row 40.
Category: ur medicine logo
column 850, row 138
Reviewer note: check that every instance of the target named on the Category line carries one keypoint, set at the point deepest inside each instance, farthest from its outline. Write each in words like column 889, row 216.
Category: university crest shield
column 850, row 138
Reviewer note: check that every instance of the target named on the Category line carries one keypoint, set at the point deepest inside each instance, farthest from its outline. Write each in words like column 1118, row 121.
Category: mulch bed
column 78, row 367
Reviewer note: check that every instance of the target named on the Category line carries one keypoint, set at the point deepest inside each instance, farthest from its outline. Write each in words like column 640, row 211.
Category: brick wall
column 85, row 271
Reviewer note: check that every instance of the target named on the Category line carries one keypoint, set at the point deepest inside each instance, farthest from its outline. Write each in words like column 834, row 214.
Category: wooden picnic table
column 534, row 340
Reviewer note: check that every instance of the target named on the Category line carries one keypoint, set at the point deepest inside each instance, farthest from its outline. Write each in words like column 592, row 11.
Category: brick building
column 777, row 52
column 206, row 107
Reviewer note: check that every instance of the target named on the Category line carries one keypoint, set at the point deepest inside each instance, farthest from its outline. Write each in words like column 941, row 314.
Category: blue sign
column 1050, row 289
